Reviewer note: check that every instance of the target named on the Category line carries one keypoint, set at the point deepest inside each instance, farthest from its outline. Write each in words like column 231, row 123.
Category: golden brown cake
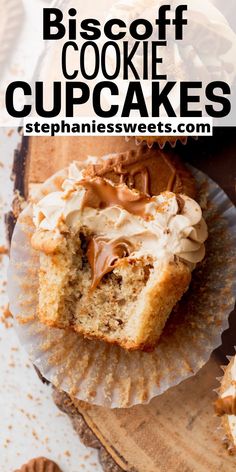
column 114, row 261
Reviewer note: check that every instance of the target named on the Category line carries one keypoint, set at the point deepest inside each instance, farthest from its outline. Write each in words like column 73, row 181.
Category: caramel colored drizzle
column 102, row 194
column 226, row 406
column 172, row 181
column 150, row 172
column 128, row 176
column 103, row 256
column 180, row 203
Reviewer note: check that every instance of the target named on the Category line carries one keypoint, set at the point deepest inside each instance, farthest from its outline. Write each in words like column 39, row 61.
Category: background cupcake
column 206, row 52
column 225, row 406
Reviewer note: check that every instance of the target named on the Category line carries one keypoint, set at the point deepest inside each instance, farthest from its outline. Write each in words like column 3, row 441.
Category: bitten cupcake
column 91, row 281
column 225, row 406
column 116, row 259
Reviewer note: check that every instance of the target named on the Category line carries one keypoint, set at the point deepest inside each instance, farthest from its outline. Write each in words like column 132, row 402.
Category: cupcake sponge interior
column 130, row 305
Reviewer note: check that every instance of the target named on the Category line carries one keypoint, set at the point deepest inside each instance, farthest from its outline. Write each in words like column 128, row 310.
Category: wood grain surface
column 178, row 431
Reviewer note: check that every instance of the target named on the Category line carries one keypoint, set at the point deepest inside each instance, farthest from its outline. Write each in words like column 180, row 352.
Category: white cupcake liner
column 107, row 375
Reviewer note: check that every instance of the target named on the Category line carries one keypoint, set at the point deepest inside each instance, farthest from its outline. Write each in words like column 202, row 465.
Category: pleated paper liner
column 227, row 421
column 161, row 140
column 105, row 374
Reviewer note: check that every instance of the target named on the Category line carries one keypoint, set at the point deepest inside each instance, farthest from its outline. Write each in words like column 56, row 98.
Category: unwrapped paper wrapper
column 107, row 375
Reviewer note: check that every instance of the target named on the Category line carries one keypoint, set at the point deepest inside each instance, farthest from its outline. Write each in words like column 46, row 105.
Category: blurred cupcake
column 225, row 406
column 206, row 53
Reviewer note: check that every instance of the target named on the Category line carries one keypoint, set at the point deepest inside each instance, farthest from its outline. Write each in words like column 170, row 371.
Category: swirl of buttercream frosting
column 163, row 225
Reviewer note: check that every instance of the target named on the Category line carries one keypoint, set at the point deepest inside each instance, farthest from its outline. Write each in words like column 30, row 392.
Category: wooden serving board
column 178, row 431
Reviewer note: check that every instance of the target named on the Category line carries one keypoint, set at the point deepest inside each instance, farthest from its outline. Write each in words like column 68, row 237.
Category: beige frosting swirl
column 164, row 230
column 230, row 393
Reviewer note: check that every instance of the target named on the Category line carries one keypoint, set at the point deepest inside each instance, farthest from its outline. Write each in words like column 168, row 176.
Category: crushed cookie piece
column 40, row 464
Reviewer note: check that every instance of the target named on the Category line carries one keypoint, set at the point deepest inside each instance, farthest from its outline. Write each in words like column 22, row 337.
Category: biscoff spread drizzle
column 122, row 223
column 104, row 255
column 100, row 194
column 127, row 176
column 226, row 405
column 140, row 172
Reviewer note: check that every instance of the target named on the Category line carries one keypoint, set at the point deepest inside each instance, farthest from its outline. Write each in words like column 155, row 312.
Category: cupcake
column 115, row 240
column 96, row 239
column 225, row 406
column 116, row 259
